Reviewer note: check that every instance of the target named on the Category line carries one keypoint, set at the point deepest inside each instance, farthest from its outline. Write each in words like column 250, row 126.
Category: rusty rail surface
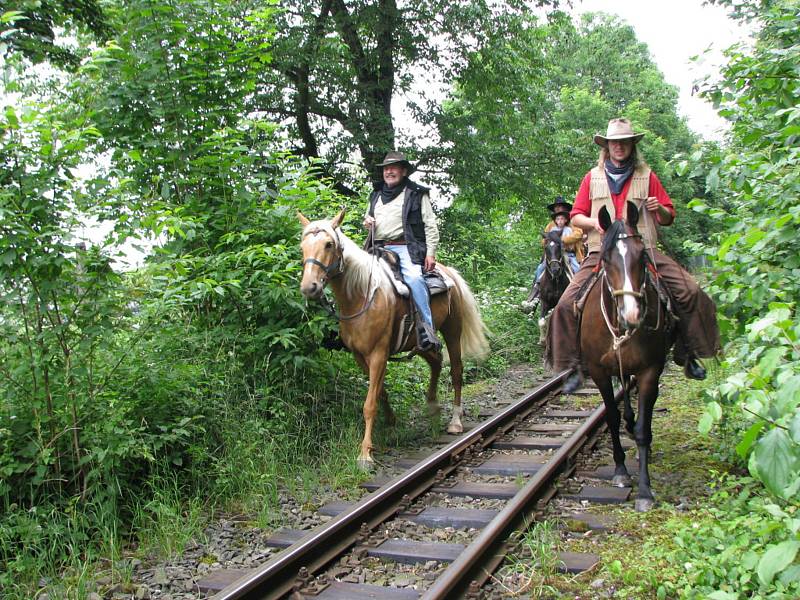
column 277, row 577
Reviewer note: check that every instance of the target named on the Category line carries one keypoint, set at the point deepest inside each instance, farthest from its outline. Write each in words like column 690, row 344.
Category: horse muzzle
column 312, row 289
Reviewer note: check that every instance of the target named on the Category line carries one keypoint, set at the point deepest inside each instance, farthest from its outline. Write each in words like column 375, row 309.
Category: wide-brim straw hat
column 618, row 129
column 396, row 158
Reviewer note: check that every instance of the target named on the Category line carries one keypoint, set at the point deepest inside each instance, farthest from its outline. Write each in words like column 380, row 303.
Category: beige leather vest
column 600, row 195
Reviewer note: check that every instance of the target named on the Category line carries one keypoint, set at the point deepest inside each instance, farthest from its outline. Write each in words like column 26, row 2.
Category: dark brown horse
column 555, row 278
column 372, row 314
column 626, row 332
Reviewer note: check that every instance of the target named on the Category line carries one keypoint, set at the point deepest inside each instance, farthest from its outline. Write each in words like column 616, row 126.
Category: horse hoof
column 622, row 481
column 366, row 464
column 455, row 428
column 644, row 504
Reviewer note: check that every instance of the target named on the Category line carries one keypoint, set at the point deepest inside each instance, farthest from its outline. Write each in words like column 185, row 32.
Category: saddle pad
column 399, row 287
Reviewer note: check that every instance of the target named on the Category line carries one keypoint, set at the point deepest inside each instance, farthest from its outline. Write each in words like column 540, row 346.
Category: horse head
column 553, row 253
column 623, row 258
column 322, row 254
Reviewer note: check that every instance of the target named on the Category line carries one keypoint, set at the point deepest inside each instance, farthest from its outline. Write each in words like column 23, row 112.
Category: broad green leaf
column 794, row 428
column 726, row 245
column 790, row 574
column 721, row 595
column 705, row 423
column 776, row 559
column 777, row 458
column 743, row 447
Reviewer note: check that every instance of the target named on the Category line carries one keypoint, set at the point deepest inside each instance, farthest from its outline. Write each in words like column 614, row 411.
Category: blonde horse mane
column 360, row 268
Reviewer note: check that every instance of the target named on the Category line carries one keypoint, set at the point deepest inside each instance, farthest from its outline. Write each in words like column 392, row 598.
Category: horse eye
column 329, row 244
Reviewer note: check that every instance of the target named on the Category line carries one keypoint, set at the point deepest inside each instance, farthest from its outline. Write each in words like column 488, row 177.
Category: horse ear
column 633, row 215
column 604, row 219
column 337, row 220
column 303, row 221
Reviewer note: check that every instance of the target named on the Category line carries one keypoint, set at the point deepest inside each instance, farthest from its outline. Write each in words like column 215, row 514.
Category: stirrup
column 427, row 339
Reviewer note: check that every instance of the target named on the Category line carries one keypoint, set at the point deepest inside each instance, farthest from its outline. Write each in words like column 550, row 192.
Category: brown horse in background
column 371, row 316
column 626, row 332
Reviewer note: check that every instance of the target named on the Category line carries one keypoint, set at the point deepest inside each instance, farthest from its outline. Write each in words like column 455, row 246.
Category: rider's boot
column 426, row 338
column 574, row 382
column 533, row 299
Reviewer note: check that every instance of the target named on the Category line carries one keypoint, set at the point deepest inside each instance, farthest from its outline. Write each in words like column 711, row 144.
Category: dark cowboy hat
column 559, row 204
column 394, row 158
column 618, row 129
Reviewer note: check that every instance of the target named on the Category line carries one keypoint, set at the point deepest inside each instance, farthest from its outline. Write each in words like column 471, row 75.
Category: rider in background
column 571, row 237
column 621, row 176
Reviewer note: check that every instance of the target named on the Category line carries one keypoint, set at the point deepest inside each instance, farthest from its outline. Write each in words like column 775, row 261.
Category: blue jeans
column 412, row 275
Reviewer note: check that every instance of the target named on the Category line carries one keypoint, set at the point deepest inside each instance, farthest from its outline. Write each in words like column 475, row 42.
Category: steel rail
column 276, row 577
column 476, row 564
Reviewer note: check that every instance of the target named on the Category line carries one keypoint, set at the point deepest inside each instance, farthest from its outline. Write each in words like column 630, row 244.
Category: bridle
column 333, row 270
column 555, row 265
column 640, row 296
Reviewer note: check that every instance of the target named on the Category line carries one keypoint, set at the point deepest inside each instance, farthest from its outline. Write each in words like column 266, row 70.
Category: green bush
column 743, row 544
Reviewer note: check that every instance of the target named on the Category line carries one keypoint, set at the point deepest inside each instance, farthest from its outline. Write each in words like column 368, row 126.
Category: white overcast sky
column 675, row 31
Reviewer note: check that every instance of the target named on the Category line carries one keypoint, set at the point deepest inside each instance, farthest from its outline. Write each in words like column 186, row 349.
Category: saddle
column 436, row 281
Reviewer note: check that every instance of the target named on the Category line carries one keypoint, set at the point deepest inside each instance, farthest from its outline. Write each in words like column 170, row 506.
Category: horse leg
column 630, row 418
column 376, row 365
column 434, row 360
column 452, row 338
column 621, row 477
column 386, row 408
column 648, row 392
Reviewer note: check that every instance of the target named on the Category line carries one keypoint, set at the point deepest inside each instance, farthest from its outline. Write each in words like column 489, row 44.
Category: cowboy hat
column 559, row 204
column 618, row 129
column 394, row 157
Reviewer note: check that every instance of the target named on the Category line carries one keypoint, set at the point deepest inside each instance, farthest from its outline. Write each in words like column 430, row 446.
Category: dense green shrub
column 743, row 544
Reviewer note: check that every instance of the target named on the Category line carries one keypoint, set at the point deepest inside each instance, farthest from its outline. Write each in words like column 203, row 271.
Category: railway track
column 454, row 512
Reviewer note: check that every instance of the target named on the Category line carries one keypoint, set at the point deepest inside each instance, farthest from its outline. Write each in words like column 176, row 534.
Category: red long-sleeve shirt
column 583, row 204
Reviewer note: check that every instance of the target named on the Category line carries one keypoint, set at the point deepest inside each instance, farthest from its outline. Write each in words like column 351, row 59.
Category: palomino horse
column 372, row 315
column 555, row 278
column 626, row 332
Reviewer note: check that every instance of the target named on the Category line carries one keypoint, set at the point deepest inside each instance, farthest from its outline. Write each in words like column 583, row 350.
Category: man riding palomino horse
column 621, row 175
column 571, row 239
column 402, row 220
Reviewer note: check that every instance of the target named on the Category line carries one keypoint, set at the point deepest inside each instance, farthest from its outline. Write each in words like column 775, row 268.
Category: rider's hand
column 430, row 263
column 369, row 222
column 652, row 204
column 596, row 224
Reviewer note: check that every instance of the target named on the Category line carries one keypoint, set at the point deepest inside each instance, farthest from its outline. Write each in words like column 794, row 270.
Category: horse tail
column 474, row 344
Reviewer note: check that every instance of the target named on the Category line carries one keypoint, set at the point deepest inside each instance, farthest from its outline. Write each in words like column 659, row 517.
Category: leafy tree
column 519, row 124
column 338, row 66
column 32, row 28
column 757, row 258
